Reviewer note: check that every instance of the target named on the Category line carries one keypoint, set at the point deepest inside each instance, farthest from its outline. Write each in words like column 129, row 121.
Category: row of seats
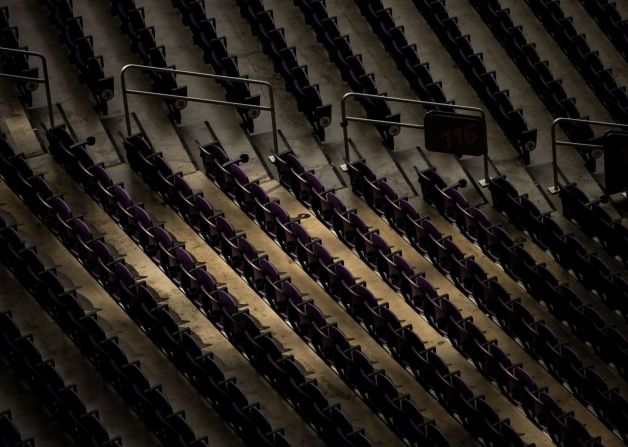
column 405, row 55
column 423, row 297
column 497, row 101
column 16, row 64
column 594, row 221
column 256, row 343
column 295, row 76
column 10, row 435
column 588, row 268
column 467, row 274
column 350, row 65
column 499, row 247
column 81, row 51
column 215, row 53
column 372, row 313
column 105, row 352
column 143, row 43
column 537, row 72
column 607, row 16
column 43, row 378
column 139, row 300
column 586, row 61
column 307, row 320
column 303, row 315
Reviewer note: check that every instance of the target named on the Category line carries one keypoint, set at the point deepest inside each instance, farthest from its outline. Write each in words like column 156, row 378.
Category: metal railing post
column 347, row 119
column 126, row 91
column 45, row 80
column 555, row 188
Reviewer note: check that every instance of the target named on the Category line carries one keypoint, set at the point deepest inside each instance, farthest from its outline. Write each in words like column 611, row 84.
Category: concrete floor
column 73, row 105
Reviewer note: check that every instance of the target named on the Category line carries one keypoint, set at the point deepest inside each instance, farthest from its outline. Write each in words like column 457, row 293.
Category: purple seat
column 33, row 190
column 515, row 318
column 363, row 239
column 263, row 212
column 251, row 260
column 575, row 257
column 307, row 182
column 398, row 270
column 283, row 227
column 228, row 246
column 144, row 230
column 431, row 183
column 314, row 318
column 427, row 233
column 359, row 302
column 272, row 290
column 499, row 245
column 333, row 343
column 323, row 261
column 106, row 259
column 144, row 165
column 206, row 220
column 102, row 182
column 489, row 358
column 574, row 202
column 185, row 202
column 207, row 288
column 186, row 274
column 341, row 281
column 522, row 267
column 226, row 307
column 502, row 191
column 409, row 222
column 288, row 293
column 471, row 221
column 441, row 312
column 318, row 197
column 359, row 172
column 374, row 195
column 304, row 247
column 213, row 156
column 445, row 254
column 62, row 222
column 386, row 265
column 469, row 276
column 239, row 189
column 465, row 335
column 392, row 207
column 164, row 181
column 81, row 245
column 340, row 219
column 458, row 203
column 53, row 211
column 288, row 164
column 122, row 210
column 417, row 290
column 126, row 286
column 164, row 256
column 137, row 149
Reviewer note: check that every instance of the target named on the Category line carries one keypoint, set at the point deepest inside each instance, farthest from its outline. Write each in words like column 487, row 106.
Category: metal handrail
column 45, row 80
column 270, row 108
column 346, row 119
column 555, row 188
